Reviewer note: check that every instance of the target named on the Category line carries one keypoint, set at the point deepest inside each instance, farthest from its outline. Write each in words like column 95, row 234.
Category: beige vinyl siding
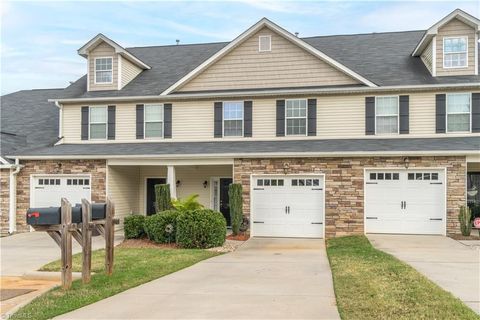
column 191, row 180
column 427, row 56
column 100, row 51
column 129, row 71
column 123, row 189
column 453, row 29
column 286, row 65
column 337, row 117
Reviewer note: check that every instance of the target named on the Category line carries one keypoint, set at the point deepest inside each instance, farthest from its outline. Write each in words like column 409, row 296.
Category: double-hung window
column 296, row 117
column 458, row 112
column 103, row 70
column 98, row 122
column 153, row 120
column 386, row 115
column 455, row 52
column 232, row 119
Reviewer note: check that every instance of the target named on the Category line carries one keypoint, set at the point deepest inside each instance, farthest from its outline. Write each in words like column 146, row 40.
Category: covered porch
column 131, row 183
column 473, row 185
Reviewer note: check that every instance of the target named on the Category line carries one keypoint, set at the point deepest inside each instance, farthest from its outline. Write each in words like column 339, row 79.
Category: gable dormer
column 109, row 65
column 450, row 47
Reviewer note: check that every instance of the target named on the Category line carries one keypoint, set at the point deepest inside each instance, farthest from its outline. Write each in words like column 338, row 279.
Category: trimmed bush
column 201, row 229
column 465, row 220
column 236, row 212
column 133, row 226
column 163, row 201
column 161, row 227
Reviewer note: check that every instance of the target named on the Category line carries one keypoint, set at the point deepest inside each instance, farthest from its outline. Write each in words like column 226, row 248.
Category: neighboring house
column 28, row 120
column 329, row 136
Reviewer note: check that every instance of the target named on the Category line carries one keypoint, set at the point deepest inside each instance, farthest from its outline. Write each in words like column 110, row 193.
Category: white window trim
column 269, row 41
column 161, row 105
column 90, row 122
column 306, row 119
column 95, row 70
column 466, row 52
column 388, row 115
column 447, row 113
column 223, row 118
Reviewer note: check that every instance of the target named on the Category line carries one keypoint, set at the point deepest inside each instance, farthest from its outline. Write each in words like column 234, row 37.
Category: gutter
column 12, row 212
column 256, row 155
column 268, row 93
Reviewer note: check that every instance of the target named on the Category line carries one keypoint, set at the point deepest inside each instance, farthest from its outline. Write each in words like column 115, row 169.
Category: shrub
column 163, row 201
column 161, row 227
column 188, row 204
column 236, row 213
column 133, row 226
column 202, row 228
column 465, row 220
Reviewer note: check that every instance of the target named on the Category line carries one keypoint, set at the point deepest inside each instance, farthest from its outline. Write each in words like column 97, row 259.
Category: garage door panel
column 49, row 190
column 290, row 208
column 414, row 203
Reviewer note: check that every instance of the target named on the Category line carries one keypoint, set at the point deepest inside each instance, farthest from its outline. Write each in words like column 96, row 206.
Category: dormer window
column 455, row 52
column 103, row 70
column 264, row 43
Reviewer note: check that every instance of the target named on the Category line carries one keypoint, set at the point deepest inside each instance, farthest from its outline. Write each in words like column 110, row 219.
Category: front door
column 224, row 199
column 151, row 182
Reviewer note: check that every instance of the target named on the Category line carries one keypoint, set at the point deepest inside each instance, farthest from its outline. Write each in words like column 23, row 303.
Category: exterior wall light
column 205, row 184
column 406, row 162
column 178, row 183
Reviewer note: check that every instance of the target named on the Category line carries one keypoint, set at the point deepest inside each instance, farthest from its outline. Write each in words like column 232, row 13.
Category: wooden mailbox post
column 63, row 233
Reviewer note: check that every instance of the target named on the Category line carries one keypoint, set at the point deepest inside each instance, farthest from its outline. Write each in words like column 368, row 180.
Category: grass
column 133, row 266
column 371, row 284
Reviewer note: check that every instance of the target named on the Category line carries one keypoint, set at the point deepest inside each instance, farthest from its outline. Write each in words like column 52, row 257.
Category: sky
column 39, row 39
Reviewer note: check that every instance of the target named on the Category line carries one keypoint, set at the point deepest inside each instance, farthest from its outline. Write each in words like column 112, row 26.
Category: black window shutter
column 312, row 117
column 280, row 118
column 167, row 114
column 85, row 120
column 111, row 123
column 218, row 119
column 440, row 113
column 369, row 115
column 139, row 121
column 404, row 114
column 247, row 118
column 475, row 112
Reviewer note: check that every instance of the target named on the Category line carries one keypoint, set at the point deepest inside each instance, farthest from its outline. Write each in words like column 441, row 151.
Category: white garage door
column 405, row 201
column 288, row 206
column 50, row 189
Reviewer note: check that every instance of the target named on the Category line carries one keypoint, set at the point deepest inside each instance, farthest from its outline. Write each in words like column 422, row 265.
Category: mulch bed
column 473, row 236
column 145, row 243
column 244, row 236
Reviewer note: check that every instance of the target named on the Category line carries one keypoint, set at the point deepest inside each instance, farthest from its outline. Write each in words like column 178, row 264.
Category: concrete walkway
column 452, row 265
column 26, row 252
column 263, row 279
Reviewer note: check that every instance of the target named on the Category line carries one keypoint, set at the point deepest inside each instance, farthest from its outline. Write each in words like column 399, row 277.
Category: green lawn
column 133, row 266
column 371, row 284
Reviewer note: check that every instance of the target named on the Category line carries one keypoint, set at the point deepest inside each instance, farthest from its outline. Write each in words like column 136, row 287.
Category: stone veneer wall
column 344, row 185
column 4, row 200
column 97, row 168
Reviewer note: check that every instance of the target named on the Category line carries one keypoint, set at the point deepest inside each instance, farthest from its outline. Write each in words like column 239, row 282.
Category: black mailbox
column 52, row 215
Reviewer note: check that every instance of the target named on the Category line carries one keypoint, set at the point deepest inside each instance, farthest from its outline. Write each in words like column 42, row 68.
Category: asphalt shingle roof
column 263, row 147
column 28, row 120
column 383, row 58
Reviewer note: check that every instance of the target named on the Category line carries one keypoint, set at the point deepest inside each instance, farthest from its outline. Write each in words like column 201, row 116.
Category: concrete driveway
column 26, row 252
column 450, row 264
column 263, row 279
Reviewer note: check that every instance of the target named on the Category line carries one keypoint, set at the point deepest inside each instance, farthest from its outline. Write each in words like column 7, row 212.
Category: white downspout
column 12, row 212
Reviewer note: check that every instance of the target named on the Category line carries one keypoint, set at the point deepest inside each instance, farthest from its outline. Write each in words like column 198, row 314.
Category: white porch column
column 172, row 181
